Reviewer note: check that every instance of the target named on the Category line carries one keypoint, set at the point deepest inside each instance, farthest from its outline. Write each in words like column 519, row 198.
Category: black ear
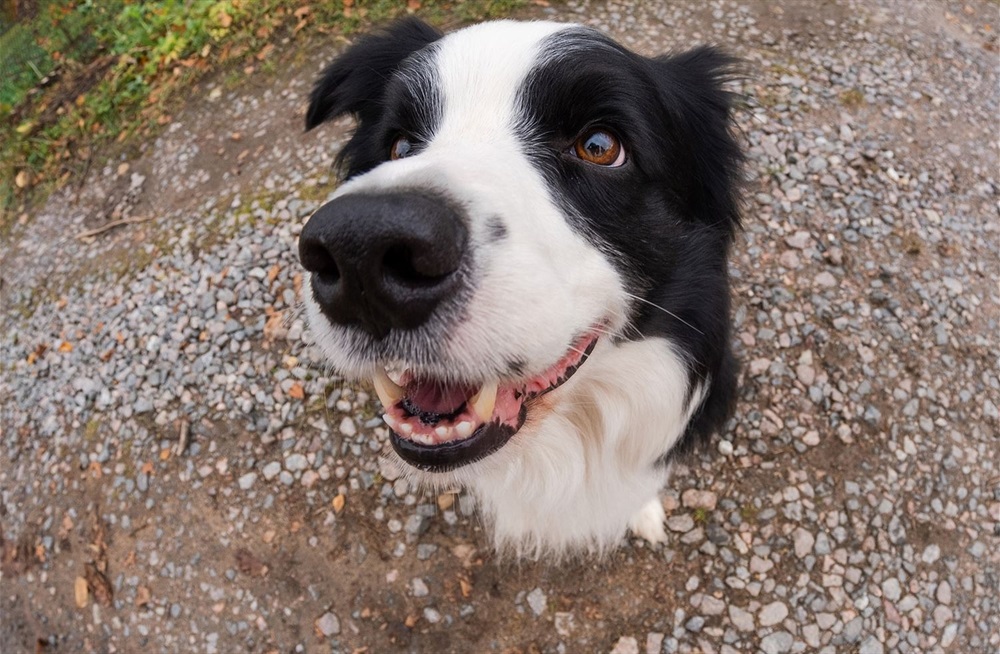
column 692, row 88
column 354, row 82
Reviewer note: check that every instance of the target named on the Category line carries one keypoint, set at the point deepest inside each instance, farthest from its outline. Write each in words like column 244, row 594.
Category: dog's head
column 513, row 193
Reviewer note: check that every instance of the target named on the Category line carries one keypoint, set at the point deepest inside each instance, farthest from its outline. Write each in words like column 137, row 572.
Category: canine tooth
column 483, row 402
column 465, row 428
column 387, row 390
column 392, row 422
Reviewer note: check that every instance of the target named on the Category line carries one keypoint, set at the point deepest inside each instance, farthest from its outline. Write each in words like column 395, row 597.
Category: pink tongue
column 433, row 397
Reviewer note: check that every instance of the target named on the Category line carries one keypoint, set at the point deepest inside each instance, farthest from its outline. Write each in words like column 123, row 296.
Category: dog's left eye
column 401, row 147
column 600, row 147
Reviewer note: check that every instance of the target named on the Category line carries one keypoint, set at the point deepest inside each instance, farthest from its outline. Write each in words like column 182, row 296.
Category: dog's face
column 514, row 193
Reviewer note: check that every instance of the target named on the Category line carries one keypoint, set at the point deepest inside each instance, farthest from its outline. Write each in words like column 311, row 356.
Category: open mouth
column 438, row 427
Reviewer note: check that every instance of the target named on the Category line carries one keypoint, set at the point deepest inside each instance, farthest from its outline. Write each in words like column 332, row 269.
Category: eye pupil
column 601, row 148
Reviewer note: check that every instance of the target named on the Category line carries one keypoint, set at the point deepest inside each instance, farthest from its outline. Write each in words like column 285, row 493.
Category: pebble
column 328, row 624
column 772, row 614
column 537, row 601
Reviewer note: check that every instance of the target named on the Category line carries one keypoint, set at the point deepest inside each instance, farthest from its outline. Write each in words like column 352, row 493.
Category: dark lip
column 483, row 442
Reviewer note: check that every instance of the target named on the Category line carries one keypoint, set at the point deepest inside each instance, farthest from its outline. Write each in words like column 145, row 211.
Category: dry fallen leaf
column 225, row 19
column 303, row 11
column 99, row 585
column 338, row 503
column 296, row 391
column 142, row 596
column 80, row 592
column 66, row 347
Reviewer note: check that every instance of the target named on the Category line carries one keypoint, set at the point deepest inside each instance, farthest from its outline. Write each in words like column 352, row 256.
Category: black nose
column 383, row 261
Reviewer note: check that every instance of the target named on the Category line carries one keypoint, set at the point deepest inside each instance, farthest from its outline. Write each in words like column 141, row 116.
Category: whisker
column 669, row 313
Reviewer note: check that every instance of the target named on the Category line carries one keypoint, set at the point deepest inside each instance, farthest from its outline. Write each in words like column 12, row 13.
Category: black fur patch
column 667, row 216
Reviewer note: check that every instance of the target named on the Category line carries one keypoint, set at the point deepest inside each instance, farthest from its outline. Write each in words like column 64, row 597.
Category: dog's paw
column 648, row 521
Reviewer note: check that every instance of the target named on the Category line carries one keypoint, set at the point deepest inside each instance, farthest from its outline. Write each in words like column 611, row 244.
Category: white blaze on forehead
column 481, row 70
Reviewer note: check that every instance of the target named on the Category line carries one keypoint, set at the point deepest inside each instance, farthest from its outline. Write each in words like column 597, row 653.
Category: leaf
column 80, row 592
column 296, row 391
column 413, row 5
column 338, row 503
column 142, row 596
column 25, row 127
column 303, row 11
column 99, row 585
column 66, row 347
column 225, row 20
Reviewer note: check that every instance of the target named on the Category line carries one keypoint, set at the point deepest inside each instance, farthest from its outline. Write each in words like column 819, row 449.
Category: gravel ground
column 180, row 473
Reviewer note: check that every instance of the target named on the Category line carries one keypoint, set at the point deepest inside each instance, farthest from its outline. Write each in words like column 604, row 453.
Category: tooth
column 392, row 422
column 406, row 428
column 465, row 427
column 443, row 432
column 387, row 390
column 484, row 401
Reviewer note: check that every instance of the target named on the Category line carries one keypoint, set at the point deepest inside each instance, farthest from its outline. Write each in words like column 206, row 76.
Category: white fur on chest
column 575, row 479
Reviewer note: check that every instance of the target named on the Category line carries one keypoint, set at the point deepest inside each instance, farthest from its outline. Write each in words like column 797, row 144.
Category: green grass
column 80, row 77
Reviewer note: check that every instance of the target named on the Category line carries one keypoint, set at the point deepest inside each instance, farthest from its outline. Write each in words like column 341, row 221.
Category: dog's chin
column 438, row 426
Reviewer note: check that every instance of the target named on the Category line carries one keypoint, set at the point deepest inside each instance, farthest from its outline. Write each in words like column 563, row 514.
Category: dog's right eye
column 401, row 147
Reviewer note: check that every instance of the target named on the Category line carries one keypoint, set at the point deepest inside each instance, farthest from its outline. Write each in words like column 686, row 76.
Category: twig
column 182, row 439
column 115, row 223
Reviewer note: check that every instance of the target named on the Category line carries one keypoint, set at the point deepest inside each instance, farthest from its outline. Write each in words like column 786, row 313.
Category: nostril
column 318, row 260
column 401, row 265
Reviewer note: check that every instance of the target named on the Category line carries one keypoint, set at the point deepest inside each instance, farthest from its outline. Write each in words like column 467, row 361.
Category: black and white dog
column 529, row 258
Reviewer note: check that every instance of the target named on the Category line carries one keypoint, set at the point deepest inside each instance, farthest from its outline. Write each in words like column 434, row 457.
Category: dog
column 529, row 257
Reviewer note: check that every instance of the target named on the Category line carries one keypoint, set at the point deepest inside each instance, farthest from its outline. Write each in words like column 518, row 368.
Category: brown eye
column 401, row 147
column 601, row 148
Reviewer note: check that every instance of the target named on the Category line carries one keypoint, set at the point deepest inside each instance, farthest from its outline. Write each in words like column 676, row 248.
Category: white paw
column 648, row 521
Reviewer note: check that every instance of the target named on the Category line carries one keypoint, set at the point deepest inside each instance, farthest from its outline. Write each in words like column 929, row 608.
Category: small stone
column 825, row 279
column 693, row 498
column 246, row 481
column 777, row 643
column 871, row 645
column 931, row 554
column 804, row 541
column 772, row 614
column 712, row 606
column 798, row 240
column 347, row 427
column 891, row 589
column 626, row 645
column 537, row 601
column 328, row 624
column 943, row 594
column 419, row 588
column 742, row 620
column 695, row 624
column 654, row 642
column 680, row 523
column 789, row 259
column 432, row 615
column 296, row 462
column 271, row 470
